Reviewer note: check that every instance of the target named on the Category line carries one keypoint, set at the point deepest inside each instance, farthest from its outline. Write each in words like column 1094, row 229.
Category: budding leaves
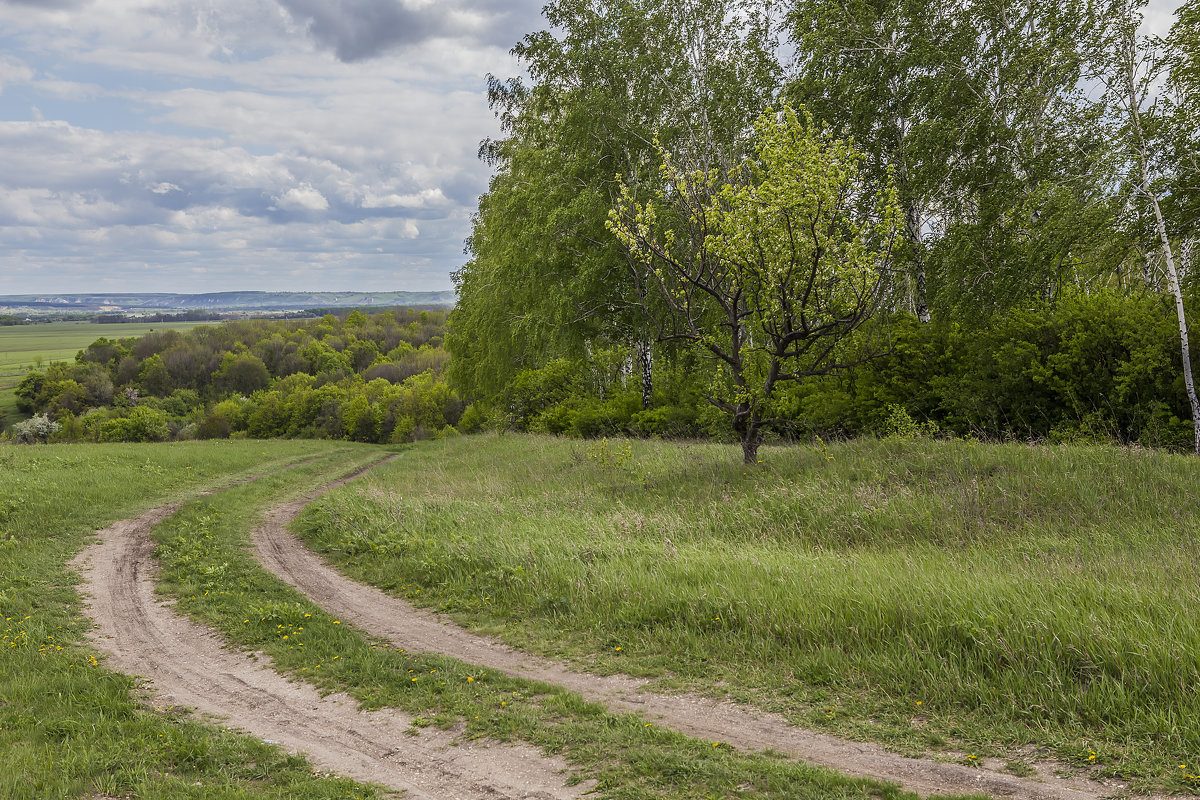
column 769, row 265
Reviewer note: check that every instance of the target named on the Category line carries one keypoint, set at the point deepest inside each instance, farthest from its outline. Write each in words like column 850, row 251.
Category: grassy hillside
column 69, row 727
column 26, row 347
column 944, row 597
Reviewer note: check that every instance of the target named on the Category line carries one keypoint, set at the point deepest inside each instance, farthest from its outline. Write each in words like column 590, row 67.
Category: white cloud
column 423, row 199
column 14, row 71
column 302, row 198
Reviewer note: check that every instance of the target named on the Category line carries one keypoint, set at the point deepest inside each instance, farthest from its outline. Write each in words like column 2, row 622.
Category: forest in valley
column 367, row 378
column 748, row 220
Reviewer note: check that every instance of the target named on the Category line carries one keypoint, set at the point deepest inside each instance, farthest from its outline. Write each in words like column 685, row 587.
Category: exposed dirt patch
column 416, row 630
column 187, row 665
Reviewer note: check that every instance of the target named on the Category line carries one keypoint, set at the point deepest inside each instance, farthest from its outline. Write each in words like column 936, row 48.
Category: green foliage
column 153, row 377
column 252, row 378
column 544, row 279
column 28, row 391
column 976, row 110
column 1100, row 366
column 144, row 424
column 242, row 374
column 899, row 425
column 769, row 268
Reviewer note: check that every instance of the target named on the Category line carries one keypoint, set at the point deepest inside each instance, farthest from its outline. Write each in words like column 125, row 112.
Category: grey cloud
column 507, row 21
column 465, row 188
column 361, row 29
column 48, row 4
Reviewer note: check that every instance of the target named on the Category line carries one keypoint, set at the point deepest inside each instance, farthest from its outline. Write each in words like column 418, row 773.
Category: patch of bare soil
column 416, row 630
column 187, row 665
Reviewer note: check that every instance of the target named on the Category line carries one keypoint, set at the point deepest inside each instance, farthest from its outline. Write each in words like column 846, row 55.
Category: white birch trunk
column 1181, row 315
column 1165, row 242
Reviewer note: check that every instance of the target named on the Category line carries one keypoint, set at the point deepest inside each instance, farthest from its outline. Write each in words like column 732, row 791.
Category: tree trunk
column 749, row 430
column 647, row 363
column 912, row 227
column 751, row 439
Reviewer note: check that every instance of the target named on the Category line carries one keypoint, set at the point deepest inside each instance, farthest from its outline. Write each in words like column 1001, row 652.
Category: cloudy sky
column 205, row 145
column 208, row 145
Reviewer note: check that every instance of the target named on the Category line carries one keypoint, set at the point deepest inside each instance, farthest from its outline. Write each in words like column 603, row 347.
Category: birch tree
column 974, row 106
column 544, row 278
column 1134, row 68
column 891, row 74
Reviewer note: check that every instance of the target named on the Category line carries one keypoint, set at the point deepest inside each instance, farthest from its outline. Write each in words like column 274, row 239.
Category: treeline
column 745, row 239
column 1091, row 367
column 370, row 378
column 183, row 316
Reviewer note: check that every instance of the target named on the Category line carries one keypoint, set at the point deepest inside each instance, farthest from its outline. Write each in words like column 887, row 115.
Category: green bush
column 144, row 424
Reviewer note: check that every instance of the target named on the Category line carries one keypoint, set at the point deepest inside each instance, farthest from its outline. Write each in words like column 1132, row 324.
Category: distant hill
column 223, row 301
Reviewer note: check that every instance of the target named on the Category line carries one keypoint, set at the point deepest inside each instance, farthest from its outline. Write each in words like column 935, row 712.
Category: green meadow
column 949, row 598
column 70, row 727
column 35, row 346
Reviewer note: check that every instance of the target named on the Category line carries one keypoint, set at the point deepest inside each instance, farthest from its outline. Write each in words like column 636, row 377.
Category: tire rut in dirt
column 415, row 630
column 187, row 665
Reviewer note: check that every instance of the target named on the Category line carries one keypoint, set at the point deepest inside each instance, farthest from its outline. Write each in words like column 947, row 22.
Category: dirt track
column 416, row 630
column 186, row 665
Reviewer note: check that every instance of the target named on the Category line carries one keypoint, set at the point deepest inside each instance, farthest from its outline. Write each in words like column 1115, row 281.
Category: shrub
column 899, row 425
column 144, row 424
column 37, row 429
column 474, row 418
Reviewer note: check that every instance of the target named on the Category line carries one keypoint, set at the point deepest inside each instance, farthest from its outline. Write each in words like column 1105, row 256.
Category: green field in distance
column 26, row 347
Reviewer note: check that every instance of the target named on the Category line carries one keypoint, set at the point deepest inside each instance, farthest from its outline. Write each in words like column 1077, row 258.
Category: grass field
column 71, row 728
column 26, row 347
column 951, row 598
column 68, row 726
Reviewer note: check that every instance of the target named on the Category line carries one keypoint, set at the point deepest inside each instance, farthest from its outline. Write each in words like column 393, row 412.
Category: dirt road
column 187, row 665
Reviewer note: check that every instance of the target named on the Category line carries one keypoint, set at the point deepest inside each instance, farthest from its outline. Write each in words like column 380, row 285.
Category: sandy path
column 187, row 665
column 416, row 630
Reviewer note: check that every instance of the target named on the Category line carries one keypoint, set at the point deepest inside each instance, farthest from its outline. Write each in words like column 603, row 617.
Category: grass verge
column 68, row 726
column 208, row 568
column 949, row 597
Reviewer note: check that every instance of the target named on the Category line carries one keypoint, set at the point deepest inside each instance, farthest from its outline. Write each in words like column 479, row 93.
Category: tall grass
column 933, row 595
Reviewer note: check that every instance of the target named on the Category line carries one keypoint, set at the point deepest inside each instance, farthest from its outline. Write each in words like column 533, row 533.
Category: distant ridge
column 225, row 301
